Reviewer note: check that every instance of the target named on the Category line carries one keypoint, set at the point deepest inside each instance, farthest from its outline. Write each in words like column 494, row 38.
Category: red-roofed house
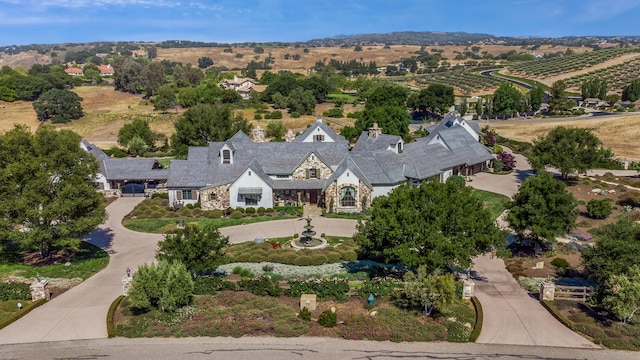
column 74, row 71
column 105, row 70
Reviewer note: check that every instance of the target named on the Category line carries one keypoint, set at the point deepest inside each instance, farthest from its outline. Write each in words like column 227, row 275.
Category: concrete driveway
column 80, row 312
column 511, row 316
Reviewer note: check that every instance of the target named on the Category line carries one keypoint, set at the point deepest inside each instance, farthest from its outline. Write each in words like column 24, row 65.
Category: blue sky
column 60, row 21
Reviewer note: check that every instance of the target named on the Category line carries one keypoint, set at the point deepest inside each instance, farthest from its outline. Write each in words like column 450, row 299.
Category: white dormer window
column 318, row 138
column 226, row 156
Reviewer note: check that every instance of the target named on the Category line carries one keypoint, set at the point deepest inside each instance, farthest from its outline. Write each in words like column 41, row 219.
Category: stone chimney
column 375, row 131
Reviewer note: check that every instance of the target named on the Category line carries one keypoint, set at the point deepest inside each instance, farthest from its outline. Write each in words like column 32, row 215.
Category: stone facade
column 40, row 290
column 215, row 198
column 111, row 193
column 323, row 172
column 329, row 194
column 363, row 195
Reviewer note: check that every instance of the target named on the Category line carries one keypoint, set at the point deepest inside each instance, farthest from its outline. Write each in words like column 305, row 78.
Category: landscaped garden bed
column 239, row 313
column 155, row 216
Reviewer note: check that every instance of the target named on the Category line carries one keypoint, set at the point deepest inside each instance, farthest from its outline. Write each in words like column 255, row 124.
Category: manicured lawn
column 495, row 203
column 88, row 260
column 162, row 225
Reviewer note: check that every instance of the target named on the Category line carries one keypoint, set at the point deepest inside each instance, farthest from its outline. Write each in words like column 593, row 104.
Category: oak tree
column 434, row 224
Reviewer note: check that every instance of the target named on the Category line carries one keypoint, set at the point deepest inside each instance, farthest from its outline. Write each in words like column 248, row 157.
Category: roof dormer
column 226, row 155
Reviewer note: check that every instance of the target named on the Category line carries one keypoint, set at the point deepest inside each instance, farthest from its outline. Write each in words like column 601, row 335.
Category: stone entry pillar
column 40, row 289
column 468, row 289
column 547, row 291
column 126, row 282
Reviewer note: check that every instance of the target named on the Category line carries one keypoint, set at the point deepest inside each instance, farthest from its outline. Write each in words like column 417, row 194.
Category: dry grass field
column 18, row 112
column 619, row 133
column 378, row 54
column 107, row 110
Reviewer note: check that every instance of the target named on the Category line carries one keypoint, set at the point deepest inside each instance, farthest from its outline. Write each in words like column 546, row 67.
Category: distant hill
column 427, row 38
column 462, row 38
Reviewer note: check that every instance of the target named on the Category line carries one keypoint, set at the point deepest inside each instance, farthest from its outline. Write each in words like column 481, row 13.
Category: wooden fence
column 575, row 293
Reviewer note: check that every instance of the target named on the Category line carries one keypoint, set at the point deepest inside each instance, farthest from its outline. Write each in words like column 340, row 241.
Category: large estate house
column 318, row 168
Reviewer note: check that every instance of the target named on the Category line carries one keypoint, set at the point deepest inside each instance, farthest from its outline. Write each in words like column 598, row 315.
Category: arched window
column 348, row 196
column 226, row 156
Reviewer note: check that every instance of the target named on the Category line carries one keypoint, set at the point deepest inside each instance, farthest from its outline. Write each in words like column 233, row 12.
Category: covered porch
column 298, row 193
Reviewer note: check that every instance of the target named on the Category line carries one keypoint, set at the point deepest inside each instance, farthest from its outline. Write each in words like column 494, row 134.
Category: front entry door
column 313, row 197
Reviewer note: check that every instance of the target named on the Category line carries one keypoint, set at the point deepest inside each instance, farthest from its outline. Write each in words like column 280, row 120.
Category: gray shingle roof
column 350, row 164
column 132, row 169
column 319, row 123
column 378, row 143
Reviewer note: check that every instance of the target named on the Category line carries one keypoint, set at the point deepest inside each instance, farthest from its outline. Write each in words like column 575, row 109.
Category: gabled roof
column 450, row 121
column 379, row 143
column 133, row 169
column 326, row 128
column 347, row 164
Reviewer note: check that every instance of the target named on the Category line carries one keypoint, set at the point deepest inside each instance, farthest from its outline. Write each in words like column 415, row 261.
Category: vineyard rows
column 466, row 81
column 617, row 76
column 568, row 63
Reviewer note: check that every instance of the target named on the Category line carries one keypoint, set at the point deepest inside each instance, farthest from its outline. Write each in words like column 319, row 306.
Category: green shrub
column 267, row 268
column 268, row 210
column 261, row 210
column 303, row 260
column 560, row 262
column 348, row 255
column 261, row 286
column 479, row 319
column 295, row 114
column 332, row 257
column 323, row 288
column 379, row 287
column 497, row 165
column 250, row 211
column 160, row 196
column 456, row 179
column 257, row 258
column 111, row 328
column 319, row 259
column 209, row 285
column 14, row 291
column 328, row 319
column 239, row 270
column 214, row 214
column 275, row 115
column 333, row 113
column 257, row 116
column 165, row 286
column 599, row 208
column 305, row 314
column 288, row 258
column 236, row 215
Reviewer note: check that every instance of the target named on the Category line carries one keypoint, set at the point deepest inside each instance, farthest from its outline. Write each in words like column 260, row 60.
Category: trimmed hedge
column 559, row 316
column 479, row 319
column 111, row 327
column 14, row 291
column 25, row 310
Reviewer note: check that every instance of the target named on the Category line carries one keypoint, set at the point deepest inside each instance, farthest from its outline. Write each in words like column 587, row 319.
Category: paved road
column 292, row 348
column 80, row 312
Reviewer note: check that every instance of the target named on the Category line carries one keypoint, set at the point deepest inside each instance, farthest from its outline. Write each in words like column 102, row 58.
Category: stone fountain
column 308, row 240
